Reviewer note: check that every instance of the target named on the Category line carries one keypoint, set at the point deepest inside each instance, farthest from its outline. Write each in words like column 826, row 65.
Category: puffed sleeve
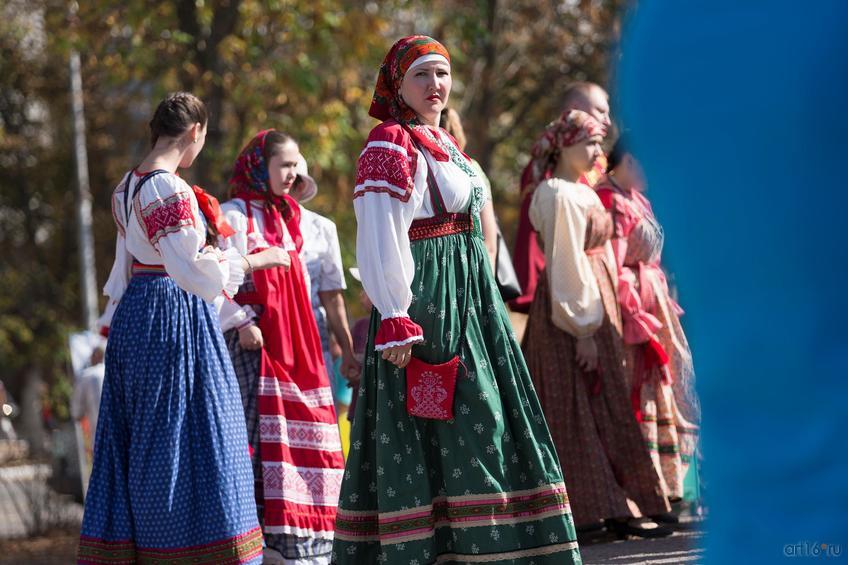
column 116, row 284
column 576, row 305
column 487, row 185
column 231, row 314
column 385, row 201
column 235, row 215
column 638, row 325
column 332, row 271
column 167, row 210
column 119, row 276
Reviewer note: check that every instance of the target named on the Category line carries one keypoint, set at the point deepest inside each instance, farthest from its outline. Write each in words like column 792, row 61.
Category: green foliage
column 305, row 67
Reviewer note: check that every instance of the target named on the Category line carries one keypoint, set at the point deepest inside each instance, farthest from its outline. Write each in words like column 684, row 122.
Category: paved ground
column 59, row 548
column 29, row 507
column 681, row 547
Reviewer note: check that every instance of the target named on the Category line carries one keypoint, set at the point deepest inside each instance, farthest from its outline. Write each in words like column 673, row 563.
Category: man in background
column 85, row 402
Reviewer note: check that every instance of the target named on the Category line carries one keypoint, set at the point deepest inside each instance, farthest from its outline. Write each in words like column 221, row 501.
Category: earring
column 195, row 140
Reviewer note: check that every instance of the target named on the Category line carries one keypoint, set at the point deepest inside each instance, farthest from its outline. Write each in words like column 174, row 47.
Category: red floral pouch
column 430, row 389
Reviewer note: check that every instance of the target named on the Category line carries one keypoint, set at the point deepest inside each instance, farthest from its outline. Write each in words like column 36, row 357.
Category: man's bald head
column 590, row 98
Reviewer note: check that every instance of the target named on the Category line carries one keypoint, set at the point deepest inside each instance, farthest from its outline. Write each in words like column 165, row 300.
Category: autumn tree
column 305, row 67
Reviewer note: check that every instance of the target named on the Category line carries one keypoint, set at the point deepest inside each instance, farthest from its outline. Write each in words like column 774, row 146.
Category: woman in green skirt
column 451, row 460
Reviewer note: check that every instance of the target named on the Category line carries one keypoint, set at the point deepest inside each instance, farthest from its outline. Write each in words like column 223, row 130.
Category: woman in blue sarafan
column 171, row 480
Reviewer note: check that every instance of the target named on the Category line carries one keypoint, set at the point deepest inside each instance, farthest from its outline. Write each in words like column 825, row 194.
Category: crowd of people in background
column 243, row 419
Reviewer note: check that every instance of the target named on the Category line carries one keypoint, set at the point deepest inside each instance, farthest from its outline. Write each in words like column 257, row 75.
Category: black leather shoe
column 665, row 518
column 638, row 528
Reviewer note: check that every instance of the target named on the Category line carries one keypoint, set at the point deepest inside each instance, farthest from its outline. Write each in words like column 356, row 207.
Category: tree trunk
column 481, row 111
column 208, row 78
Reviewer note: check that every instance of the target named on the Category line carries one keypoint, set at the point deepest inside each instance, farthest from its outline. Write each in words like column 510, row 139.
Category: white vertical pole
column 85, row 239
column 88, row 290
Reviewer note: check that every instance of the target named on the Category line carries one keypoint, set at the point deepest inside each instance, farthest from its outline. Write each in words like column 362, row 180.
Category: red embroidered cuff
column 397, row 331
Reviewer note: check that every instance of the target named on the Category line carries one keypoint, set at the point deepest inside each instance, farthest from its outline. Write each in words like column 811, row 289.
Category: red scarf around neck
column 278, row 211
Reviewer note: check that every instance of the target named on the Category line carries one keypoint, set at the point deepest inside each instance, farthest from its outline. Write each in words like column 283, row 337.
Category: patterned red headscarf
column 387, row 102
column 250, row 181
column 572, row 127
column 250, row 172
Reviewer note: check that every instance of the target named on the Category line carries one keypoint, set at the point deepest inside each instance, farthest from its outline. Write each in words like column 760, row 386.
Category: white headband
column 427, row 59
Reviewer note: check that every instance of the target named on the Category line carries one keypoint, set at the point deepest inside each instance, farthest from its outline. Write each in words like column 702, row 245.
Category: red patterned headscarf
column 250, row 172
column 250, row 181
column 572, row 127
column 387, row 102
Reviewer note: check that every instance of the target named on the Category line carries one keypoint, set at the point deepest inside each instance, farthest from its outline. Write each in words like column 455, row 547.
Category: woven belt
column 440, row 226
column 140, row 269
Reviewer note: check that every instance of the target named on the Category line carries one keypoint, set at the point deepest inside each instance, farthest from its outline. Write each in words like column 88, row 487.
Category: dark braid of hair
column 619, row 150
column 176, row 114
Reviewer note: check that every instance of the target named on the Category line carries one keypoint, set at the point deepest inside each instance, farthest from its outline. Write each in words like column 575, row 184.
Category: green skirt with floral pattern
column 484, row 487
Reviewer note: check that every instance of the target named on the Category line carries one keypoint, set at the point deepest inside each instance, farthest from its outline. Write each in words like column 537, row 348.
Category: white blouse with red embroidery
column 167, row 228
column 391, row 191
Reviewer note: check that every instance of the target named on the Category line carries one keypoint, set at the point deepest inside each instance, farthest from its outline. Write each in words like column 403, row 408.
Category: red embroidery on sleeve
column 384, row 170
column 163, row 217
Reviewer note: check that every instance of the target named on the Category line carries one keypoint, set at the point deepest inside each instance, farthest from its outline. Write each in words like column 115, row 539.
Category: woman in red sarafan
column 273, row 340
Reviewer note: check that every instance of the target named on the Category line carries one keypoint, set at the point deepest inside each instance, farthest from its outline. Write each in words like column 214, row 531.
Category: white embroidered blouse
column 166, row 228
column 391, row 191
column 558, row 212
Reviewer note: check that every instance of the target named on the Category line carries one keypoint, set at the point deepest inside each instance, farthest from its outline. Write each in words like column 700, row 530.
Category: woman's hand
column 586, row 353
column 398, row 355
column 270, row 258
column 350, row 369
column 250, row 338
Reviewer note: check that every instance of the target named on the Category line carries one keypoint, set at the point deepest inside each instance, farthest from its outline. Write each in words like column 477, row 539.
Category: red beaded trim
column 439, row 226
